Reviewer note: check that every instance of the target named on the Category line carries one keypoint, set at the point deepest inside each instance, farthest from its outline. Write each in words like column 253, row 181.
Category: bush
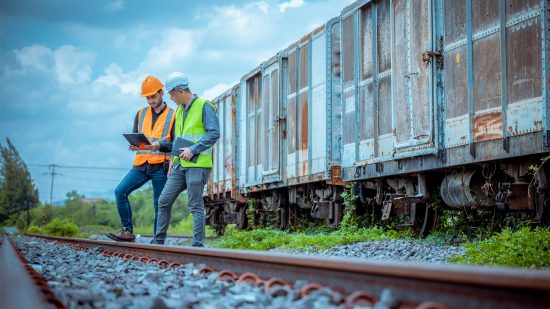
column 34, row 230
column 523, row 248
column 63, row 227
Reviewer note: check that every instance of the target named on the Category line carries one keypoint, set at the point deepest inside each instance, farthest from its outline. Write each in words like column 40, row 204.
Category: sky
column 71, row 72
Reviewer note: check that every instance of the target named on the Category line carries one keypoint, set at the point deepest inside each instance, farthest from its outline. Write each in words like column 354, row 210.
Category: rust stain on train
column 336, row 176
column 488, row 126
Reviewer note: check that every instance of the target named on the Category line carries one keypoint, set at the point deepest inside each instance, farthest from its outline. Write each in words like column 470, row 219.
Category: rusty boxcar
column 449, row 94
column 406, row 99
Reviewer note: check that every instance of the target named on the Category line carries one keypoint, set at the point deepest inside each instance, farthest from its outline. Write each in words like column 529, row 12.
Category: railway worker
column 157, row 123
column 196, row 121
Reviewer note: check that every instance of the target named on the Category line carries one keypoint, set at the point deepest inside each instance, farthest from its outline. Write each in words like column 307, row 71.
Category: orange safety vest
column 160, row 132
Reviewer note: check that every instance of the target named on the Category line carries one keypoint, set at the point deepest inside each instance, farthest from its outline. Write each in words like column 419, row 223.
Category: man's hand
column 169, row 168
column 133, row 148
column 186, row 154
column 153, row 147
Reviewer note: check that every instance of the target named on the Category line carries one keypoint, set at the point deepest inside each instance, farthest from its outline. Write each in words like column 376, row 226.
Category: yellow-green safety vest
column 193, row 130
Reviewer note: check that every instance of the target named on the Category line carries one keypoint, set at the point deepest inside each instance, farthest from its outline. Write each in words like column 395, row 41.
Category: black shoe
column 197, row 245
column 155, row 241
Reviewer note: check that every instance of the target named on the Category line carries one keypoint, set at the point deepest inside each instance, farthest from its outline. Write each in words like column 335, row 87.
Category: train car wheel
column 293, row 213
column 425, row 220
column 283, row 218
column 288, row 217
column 542, row 198
column 219, row 221
column 242, row 218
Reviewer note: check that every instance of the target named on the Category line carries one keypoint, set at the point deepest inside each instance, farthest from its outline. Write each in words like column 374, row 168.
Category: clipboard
column 137, row 139
column 181, row 142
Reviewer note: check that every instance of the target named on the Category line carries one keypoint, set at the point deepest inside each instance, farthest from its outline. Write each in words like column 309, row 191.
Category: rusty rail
column 413, row 284
column 179, row 236
column 21, row 285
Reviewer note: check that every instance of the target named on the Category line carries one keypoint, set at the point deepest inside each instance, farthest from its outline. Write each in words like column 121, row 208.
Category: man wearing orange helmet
column 155, row 121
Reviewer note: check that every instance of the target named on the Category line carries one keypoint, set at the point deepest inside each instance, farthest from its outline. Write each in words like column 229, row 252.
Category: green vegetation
column 18, row 194
column 523, row 248
column 34, row 230
column 265, row 239
column 97, row 216
column 63, row 227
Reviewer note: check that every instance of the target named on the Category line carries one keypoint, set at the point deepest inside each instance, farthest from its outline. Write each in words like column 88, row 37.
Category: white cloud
column 114, row 6
column 34, row 58
column 290, row 4
column 212, row 93
column 73, row 66
column 263, row 6
column 113, row 76
column 173, row 48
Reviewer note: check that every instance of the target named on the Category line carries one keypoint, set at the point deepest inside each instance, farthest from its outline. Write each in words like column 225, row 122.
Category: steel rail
column 182, row 236
column 454, row 286
column 18, row 288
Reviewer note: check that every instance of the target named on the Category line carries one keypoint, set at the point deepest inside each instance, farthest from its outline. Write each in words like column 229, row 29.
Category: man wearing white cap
column 196, row 121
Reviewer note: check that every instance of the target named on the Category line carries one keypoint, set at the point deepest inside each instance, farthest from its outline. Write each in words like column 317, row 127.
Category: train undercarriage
column 515, row 186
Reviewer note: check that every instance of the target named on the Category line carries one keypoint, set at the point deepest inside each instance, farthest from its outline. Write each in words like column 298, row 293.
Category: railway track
column 412, row 285
column 21, row 286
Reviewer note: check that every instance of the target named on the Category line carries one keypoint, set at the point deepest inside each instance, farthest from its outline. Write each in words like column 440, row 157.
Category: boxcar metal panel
column 228, row 160
column 318, row 129
column 253, row 114
column 291, row 112
column 215, row 179
column 334, row 93
column 242, row 137
column 218, row 151
column 303, row 133
column 221, row 179
column 545, row 25
column 525, row 117
column 348, row 35
column 401, row 72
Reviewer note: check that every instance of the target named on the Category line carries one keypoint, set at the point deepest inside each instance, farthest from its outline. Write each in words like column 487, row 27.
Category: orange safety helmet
column 150, row 86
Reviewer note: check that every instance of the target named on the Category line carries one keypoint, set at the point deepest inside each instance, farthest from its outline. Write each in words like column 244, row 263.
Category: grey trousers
column 193, row 180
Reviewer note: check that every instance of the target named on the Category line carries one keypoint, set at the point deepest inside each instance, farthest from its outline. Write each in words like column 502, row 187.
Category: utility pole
column 52, row 173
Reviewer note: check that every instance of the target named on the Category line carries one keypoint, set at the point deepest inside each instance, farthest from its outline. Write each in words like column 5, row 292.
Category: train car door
column 271, row 118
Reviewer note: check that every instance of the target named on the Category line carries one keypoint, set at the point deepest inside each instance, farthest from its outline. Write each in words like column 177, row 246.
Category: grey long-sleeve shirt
column 211, row 125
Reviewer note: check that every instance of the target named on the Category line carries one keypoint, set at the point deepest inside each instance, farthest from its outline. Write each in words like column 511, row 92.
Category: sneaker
column 122, row 235
column 197, row 245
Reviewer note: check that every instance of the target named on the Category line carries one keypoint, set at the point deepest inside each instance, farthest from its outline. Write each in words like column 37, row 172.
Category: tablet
column 183, row 143
column 137, row 139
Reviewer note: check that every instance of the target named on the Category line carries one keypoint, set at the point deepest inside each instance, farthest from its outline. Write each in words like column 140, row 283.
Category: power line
column 81, row 167
column 53, row 173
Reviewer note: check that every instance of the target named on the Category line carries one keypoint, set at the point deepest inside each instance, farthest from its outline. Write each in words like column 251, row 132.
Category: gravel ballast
column 87, row 279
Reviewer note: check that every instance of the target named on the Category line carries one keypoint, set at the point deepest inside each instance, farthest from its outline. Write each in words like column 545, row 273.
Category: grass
column 266, row 239
column 525, row 248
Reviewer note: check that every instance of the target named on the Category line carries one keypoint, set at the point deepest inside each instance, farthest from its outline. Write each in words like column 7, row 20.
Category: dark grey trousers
column 193, row 180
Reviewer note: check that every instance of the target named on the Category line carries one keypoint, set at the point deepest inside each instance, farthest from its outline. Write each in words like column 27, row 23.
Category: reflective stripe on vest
column 158, row 133
column 193, row 129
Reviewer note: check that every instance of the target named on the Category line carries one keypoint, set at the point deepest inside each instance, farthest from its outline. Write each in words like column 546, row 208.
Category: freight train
column 406, row 99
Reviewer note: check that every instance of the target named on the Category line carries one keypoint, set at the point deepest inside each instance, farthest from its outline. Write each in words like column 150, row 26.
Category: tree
column 17, row 190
